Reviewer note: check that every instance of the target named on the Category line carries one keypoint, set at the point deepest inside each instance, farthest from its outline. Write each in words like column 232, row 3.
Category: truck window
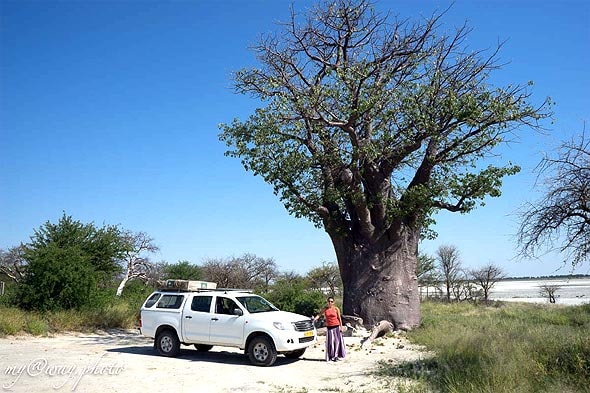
column 170, row 301
column 224, row 305
column 255, row 304
column 201, row 303
column 152, row 300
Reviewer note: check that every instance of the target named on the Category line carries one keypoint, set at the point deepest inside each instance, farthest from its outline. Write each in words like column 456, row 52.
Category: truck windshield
column 255, row 304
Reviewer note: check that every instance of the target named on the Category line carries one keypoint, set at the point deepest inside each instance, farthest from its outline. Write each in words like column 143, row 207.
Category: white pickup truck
column 224, row 317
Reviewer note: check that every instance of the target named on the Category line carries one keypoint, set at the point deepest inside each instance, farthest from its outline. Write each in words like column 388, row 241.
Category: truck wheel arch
column 261, row 349
column 166, row 341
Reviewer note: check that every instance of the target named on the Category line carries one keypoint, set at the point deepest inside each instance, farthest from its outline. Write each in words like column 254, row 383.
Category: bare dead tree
column 486, row 277
column 560, row 220
column 462, row 288
column 135, row 261
column 549, row 291
column 12, row 263
column 449, row 263
column 247, row 271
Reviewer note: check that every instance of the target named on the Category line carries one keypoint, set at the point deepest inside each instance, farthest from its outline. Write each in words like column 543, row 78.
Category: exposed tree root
column 380, row 329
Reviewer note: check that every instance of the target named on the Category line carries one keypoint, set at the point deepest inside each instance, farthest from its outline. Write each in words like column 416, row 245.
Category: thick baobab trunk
column 380, row 282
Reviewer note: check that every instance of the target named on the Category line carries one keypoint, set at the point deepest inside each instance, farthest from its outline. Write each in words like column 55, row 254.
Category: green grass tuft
column 501, row 348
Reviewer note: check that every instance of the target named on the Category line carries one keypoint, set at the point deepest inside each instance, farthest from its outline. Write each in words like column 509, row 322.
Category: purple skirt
column 335, row 348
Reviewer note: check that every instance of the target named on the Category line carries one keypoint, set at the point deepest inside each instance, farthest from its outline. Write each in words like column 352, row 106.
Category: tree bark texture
column 380, row 280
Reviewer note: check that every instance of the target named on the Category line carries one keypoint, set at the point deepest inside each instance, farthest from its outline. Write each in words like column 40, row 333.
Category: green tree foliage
column 426, row 271
column 369, row 126
column 182, row 270
column 66, row 262
column 294, row 295
column 57, row 278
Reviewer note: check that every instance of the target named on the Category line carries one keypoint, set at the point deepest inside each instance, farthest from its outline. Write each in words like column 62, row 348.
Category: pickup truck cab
column 224, row 317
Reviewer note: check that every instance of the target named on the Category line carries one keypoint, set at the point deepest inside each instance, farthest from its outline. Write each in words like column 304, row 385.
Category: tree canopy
column 370, row 124
column 368, row 119
column 66, row 262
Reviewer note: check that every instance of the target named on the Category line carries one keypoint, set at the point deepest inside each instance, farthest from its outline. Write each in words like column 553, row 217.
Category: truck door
column 196, row 320
column 226, row 327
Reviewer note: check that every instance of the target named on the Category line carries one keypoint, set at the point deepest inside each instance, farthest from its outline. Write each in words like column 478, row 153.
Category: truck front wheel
column 167, row 343
column 262, row 352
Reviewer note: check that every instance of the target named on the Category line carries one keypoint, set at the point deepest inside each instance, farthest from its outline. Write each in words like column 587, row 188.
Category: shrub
column 58, row 278
column 294, row 297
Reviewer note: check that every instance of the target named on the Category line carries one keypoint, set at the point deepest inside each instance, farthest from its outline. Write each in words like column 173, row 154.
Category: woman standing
column 335, row 349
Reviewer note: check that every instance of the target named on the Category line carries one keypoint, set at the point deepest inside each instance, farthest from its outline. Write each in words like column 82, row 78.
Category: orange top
column 332, row 316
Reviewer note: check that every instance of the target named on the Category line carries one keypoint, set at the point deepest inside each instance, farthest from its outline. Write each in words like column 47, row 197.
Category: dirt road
column 124, row 361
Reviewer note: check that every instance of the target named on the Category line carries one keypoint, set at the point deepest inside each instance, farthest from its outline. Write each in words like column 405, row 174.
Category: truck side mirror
column 238, row 312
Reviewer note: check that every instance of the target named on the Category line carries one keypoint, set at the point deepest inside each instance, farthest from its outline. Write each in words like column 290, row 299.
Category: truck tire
column 295, row 354
column 261, row 351
column 203, row 347
column 167, row 343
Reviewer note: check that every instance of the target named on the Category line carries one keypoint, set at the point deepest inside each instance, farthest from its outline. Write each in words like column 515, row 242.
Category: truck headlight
column 283, row 325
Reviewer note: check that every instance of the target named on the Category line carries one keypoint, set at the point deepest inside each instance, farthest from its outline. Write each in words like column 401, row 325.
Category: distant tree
column 66, row 262
column 326, row 276
column 370, row 125
column 426, row 271
column 183, row 270
column 462, row 288
column 13, row 264
column 157, row 274
column 549, row 291
column 290, row 276
column 449, row 263
column 135, row 261
column 560, row 220
column 486, row 277
column 247, row 271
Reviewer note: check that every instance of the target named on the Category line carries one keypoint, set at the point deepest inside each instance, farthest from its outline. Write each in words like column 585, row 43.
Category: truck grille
column 303, row 326
column 305, row 339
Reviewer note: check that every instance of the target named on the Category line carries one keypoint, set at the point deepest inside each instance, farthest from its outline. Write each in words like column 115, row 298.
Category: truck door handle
column 188, row 317
column 215, row 319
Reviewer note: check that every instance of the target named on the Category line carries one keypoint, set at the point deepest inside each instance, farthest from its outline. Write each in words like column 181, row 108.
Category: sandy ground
column 124, row 361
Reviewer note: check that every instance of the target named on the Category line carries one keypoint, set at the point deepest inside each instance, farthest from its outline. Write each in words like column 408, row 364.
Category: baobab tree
column 370, row 125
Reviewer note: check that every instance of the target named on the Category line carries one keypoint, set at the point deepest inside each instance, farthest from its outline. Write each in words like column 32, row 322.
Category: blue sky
column 109, row 111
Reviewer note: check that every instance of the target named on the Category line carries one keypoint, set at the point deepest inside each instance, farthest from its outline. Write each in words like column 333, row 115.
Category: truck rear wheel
column 167, row 343
column 262, row 352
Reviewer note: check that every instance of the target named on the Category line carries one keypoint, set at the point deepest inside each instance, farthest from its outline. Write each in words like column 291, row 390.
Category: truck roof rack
column 164, row 289
column 174, row 285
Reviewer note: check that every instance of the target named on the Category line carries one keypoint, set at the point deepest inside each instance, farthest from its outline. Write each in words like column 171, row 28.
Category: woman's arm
column 315, row 318
column 339, row 316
